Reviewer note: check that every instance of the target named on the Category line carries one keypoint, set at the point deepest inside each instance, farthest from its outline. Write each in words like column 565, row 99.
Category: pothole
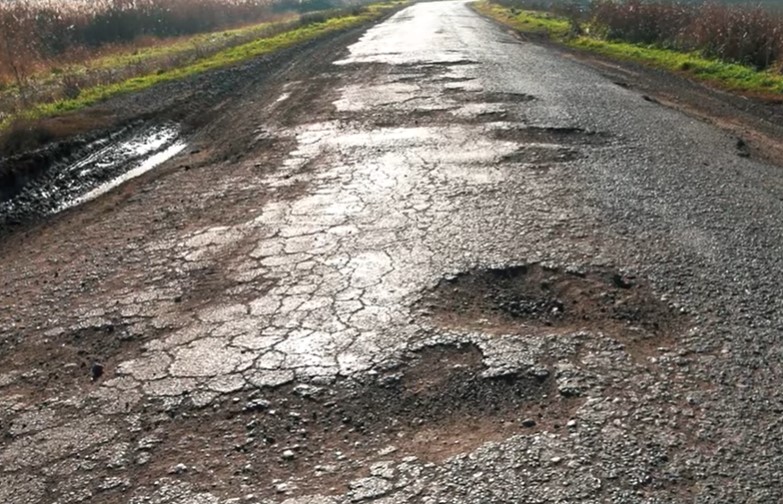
column 430, row 404
column 530, row 298
column 542, row 154
column 493, row 97
column 551, row 135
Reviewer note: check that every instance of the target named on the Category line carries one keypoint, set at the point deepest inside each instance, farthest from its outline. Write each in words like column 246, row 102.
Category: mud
column 89, row 171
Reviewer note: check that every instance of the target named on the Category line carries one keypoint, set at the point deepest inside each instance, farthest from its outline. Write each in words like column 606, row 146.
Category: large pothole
column 430, row 404
column 531, row 298
column 550, row 135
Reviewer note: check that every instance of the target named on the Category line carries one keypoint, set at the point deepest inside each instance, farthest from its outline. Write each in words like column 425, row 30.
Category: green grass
column 730, row 76
column 164, row 50
column 530, row 22
column 221, row 59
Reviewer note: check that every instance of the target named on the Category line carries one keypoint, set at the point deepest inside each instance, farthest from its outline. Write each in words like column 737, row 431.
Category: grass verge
column 221, row 59
column 730, row 76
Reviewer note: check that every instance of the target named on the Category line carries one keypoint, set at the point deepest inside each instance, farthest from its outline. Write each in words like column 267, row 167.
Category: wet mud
column 88, row 171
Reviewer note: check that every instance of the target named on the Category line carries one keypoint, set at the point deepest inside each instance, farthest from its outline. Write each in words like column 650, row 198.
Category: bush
column 750, row 36
column 641, row 22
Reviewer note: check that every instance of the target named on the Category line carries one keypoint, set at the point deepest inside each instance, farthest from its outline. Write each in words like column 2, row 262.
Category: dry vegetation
column 38, row 37
column 735, row 33
column 46, row 95
column 748, row 35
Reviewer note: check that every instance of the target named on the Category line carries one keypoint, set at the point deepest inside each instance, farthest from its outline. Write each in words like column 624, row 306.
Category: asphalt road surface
column 433, row 264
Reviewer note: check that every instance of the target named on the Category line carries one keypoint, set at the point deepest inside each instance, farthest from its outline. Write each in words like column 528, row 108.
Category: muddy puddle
column 94, row 170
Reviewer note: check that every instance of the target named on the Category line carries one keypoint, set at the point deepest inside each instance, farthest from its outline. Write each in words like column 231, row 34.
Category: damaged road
column 428, row 264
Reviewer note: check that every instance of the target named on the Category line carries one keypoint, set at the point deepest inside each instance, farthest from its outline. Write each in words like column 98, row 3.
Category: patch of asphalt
column 267, row 329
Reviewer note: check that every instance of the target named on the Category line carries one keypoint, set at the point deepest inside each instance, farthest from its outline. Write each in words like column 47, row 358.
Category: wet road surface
column 478, row 272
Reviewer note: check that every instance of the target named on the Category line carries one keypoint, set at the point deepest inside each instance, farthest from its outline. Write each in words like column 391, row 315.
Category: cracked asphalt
column 436, row 265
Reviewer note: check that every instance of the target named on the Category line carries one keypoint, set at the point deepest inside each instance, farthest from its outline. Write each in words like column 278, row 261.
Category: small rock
column 178, row 469
column 571, row 424
column 96, row 370
column 288, row 455
column 556, row 460
column 369, row 488
column 143, row 458
column 257, row 405
column 743, row 150
column 528, row 422
column 540, row 374
column 305, row 390
column 387, row 451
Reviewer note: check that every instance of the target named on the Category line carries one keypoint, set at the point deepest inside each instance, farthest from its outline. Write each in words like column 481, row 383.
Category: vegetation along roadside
column 737, row 48
column 56, row 91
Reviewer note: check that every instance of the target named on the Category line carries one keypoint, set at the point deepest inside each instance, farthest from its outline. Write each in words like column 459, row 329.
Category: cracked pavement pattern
column 261, row 328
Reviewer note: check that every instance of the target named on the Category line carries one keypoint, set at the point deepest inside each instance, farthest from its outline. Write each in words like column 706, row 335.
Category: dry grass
column 37, row 36
column 48, row 117
column 664, row 35
column 738, row 34
column 54, row 55
column 746, row 34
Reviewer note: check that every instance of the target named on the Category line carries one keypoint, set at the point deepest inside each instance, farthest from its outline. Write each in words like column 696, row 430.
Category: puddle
column 507, row 97
column 148, row 164
column 99, row 167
